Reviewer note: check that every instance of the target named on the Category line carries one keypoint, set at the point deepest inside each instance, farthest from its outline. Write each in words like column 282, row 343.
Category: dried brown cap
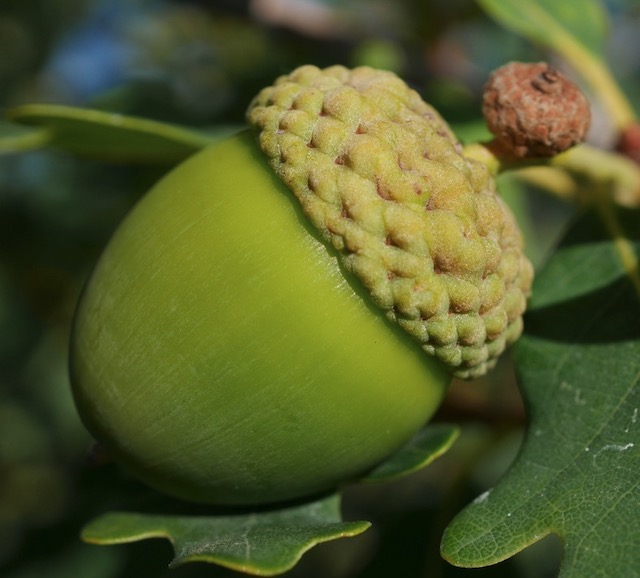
column 534, row 111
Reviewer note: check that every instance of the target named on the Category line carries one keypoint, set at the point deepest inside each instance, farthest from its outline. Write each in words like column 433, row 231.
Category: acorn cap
column 382, row 177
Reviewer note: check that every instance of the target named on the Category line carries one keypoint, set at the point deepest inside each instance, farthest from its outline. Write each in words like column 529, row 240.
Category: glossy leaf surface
column 263, row 544
column 579, row 368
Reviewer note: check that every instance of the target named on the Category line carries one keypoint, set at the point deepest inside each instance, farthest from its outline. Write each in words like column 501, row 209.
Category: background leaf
column 579, row 367
column 17, row 139
column 554, row 24
column 111, row 136
column 264, row 543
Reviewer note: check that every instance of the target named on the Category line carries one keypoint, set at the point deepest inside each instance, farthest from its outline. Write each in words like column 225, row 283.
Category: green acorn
column 285, row 309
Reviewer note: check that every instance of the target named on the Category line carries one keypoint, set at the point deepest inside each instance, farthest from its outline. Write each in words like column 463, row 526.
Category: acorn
column 285, row 309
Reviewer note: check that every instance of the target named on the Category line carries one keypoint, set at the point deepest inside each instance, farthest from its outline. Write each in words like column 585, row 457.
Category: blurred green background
column 199, row 63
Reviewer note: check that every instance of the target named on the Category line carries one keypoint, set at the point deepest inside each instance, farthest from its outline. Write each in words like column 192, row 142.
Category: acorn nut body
column 221, row 354
column 235, row 346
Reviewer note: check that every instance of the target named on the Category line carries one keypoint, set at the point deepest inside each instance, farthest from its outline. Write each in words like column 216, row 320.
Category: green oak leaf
column 578, row 365
column 264, row 543
column 110, row 136
column 427, row 445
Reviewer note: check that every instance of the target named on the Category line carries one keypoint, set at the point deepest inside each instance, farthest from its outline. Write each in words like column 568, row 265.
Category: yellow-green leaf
column 552, row 23
column 264, row 543
column 111, row 136
column 15, row 138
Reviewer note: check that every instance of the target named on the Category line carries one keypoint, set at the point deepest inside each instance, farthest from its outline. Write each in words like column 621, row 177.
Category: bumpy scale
column 383, row 179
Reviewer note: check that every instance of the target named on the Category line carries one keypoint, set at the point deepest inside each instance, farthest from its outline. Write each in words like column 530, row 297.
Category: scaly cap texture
column 382, row 177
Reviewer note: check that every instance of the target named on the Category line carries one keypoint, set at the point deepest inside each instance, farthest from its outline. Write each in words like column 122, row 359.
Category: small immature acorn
column 534, row 110
column 285, row 309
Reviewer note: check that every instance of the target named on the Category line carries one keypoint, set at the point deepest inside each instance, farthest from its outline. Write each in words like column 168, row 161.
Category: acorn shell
column 221, row 353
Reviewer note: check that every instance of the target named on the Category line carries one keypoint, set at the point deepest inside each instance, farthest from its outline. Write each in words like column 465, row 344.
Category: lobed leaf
column 263, row 543
column 579, row 370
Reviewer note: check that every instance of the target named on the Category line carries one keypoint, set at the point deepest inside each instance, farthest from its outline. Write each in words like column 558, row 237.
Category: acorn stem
column 497, row 158
column 603, row 168
column 584, row 162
